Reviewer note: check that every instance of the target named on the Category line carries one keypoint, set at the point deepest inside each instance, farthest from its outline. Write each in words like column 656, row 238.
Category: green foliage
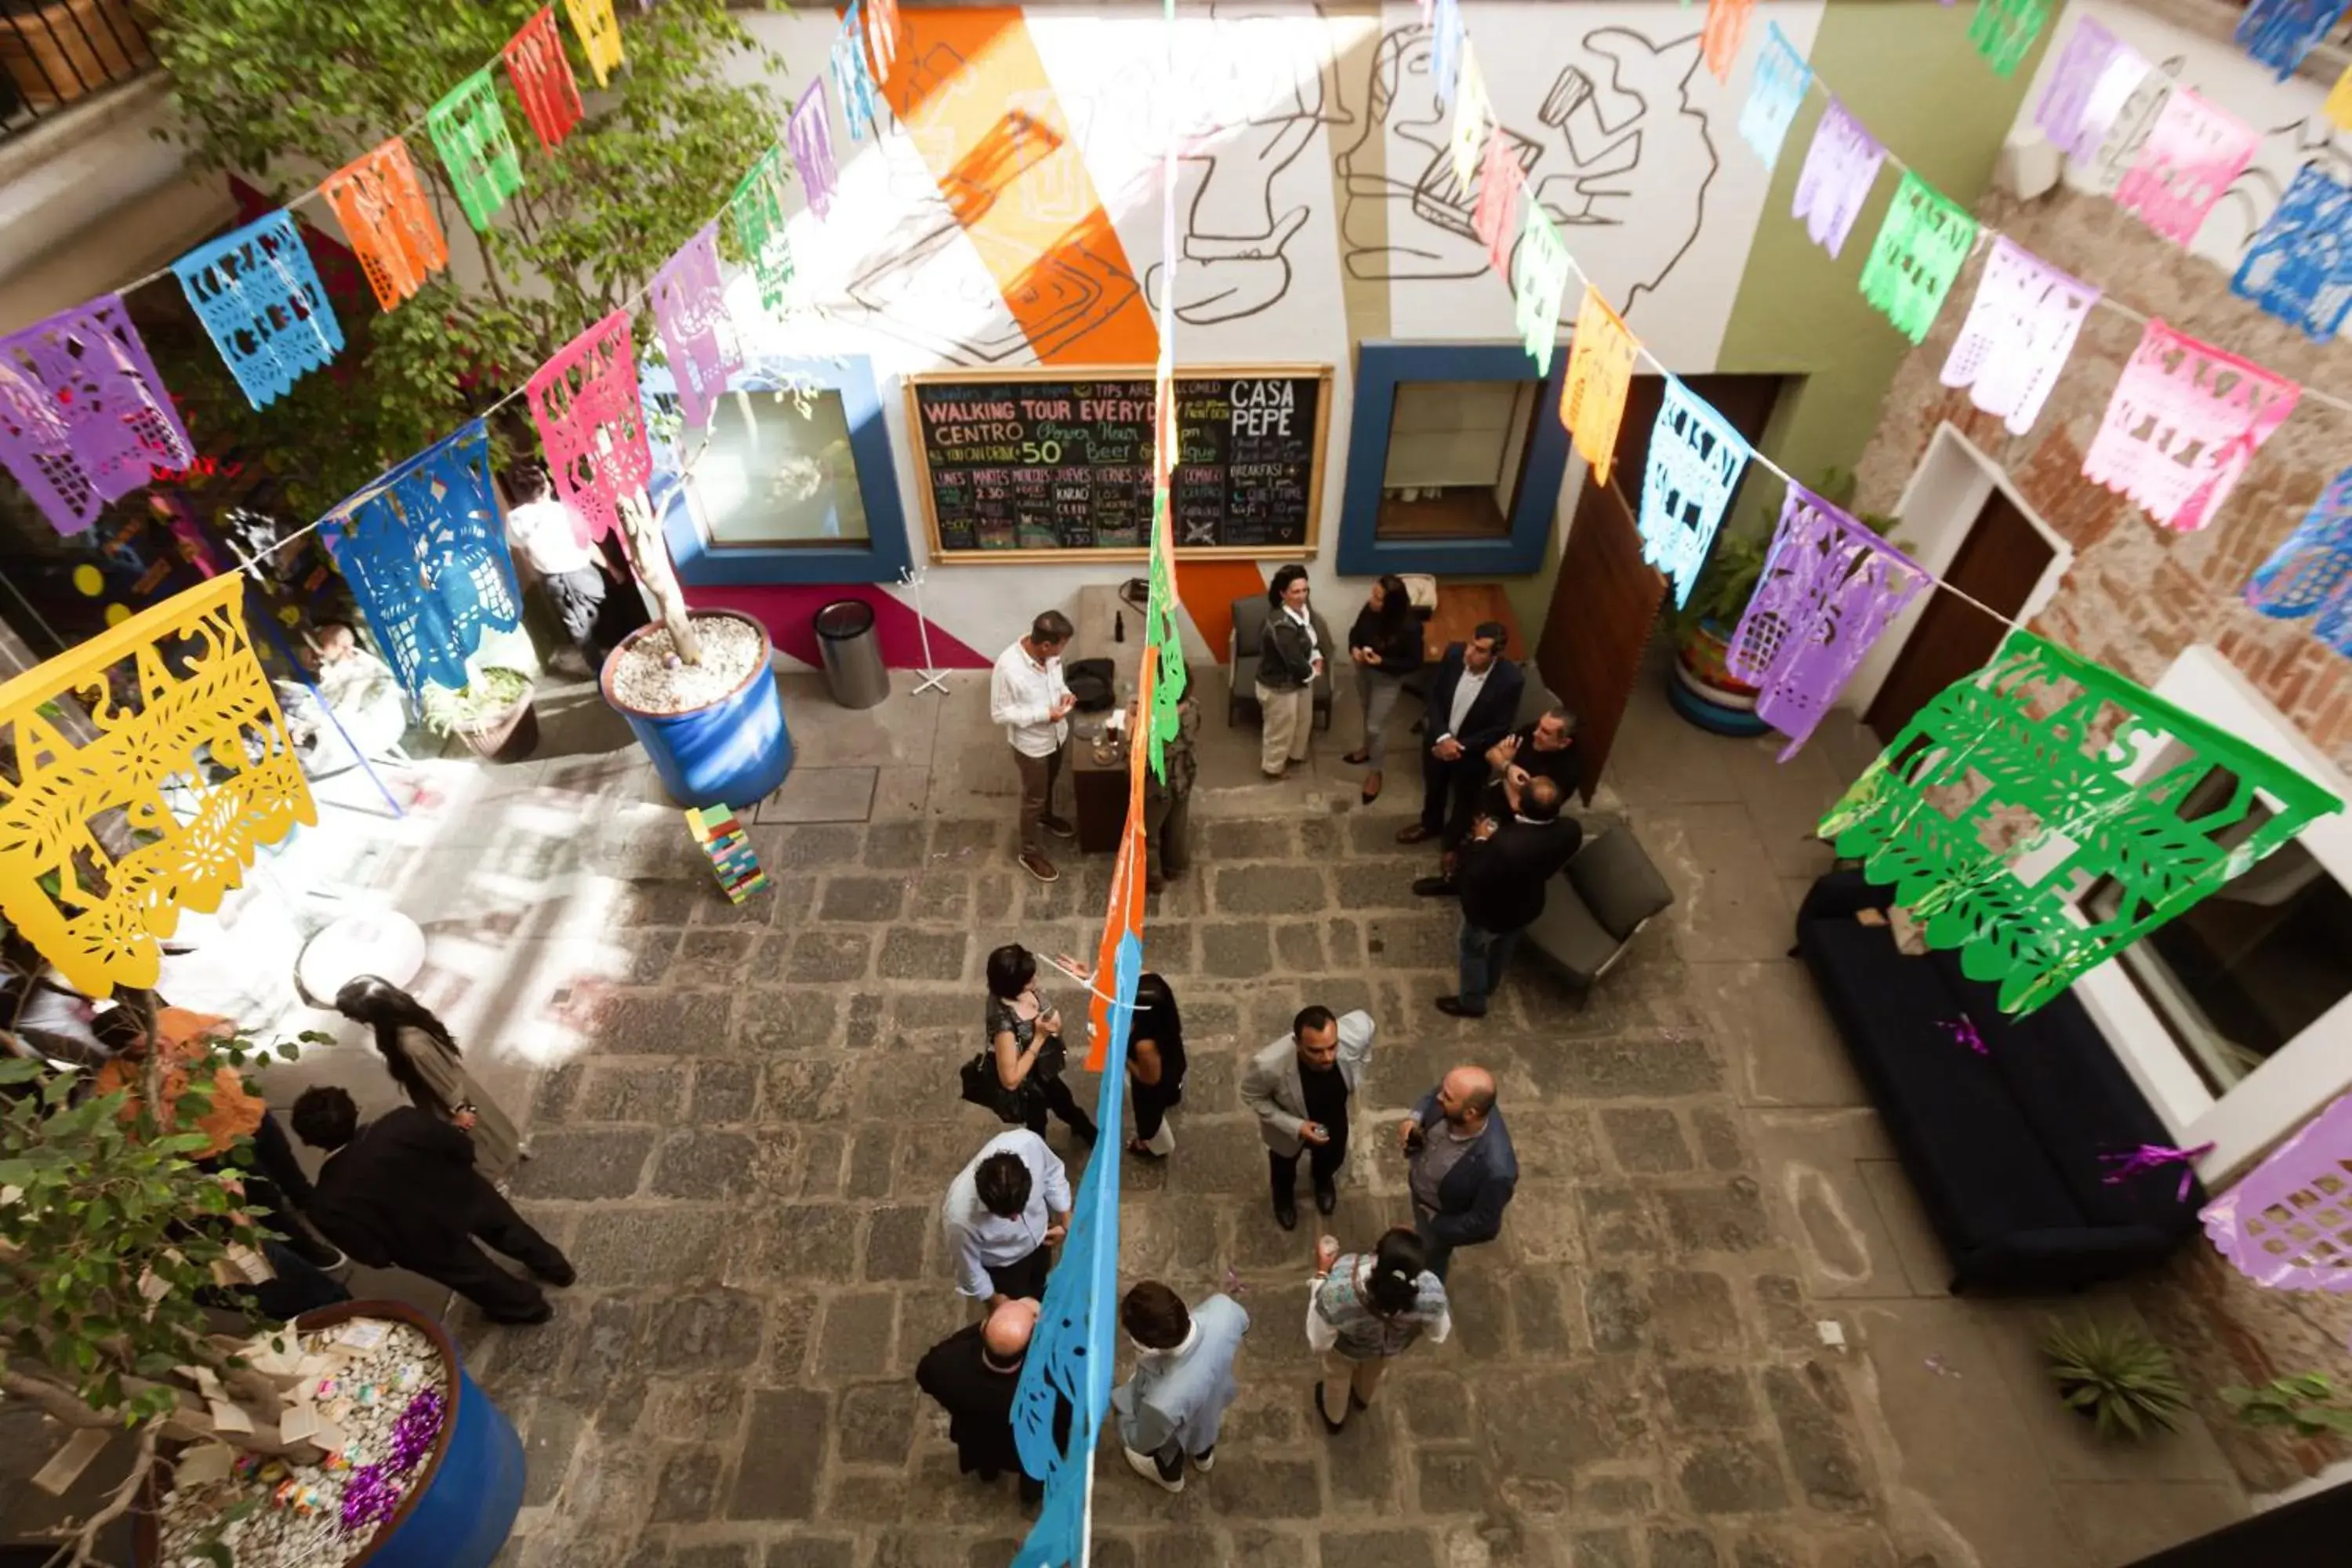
column 283, row 90
column 2305, row 1403
column 486, row 697
column 102, row 1202
column 2115, row 1376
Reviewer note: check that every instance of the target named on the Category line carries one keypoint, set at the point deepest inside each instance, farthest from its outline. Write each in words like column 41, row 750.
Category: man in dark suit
column 401, row 1192
column 1472, row 701
column 1462, row 1167
column 1506, row 868
column 974, row 1374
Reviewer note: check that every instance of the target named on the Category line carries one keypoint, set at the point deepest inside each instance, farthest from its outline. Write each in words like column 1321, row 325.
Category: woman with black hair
column 1155, row 1066
column 1385, row 644
column 1289, row 658
column 422, row 1057
column 1024, row 1033
column 1366, row 1308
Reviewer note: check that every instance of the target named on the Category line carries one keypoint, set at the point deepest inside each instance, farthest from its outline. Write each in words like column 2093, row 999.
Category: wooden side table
column 1099, row 772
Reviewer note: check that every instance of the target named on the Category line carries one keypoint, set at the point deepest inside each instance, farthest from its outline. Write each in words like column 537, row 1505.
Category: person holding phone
column 1298, row 1088
column 1024, row 1033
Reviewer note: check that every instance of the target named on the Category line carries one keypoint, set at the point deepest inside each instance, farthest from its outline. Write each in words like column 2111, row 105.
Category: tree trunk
column 649, row 552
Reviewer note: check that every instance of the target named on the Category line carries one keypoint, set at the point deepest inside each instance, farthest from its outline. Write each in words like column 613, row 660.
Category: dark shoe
column 1143, row 1150
column 1315, row 1397
column 1412, row 833
column 1357, row 758
column 560, row 1276
column 1453, row 1007
column 1285, row 1215
column 1325, row 1199
column 1153, row 882
column 1372, row 788
column 991, row 1477
column 1040, row 868
column 1354, row 1402
column 1433, row 887
column 538, row 1314
column 1059, row 827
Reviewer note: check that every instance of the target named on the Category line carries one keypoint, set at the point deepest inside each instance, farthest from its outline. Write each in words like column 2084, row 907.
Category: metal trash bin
column 852, row 653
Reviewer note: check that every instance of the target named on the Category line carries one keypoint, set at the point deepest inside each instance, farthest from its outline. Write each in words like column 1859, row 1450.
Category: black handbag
column 982, row 1087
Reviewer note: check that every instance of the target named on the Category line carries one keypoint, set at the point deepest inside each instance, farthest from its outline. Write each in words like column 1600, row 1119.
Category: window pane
column 1455, row 451
column 777, row 476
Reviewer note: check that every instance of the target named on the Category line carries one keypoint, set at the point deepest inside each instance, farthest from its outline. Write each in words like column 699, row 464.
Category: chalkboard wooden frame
column 1144, row 374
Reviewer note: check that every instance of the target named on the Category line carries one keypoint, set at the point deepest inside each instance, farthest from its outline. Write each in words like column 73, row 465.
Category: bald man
column 972, row 1373
column 1462, row 1169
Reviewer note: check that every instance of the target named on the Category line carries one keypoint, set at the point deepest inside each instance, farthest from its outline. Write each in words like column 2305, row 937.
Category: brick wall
column 2139, row 593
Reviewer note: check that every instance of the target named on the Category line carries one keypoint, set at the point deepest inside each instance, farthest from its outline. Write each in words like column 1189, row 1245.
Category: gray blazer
column 1271, row 1089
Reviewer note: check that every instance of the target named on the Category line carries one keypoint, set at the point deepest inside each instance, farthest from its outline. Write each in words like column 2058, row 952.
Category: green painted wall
column 1906, row 70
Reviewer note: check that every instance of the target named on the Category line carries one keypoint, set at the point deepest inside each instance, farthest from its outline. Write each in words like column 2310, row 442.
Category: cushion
column 1249, row 623
column 1567, row 934
column 1617, row 882
column 1535, row 699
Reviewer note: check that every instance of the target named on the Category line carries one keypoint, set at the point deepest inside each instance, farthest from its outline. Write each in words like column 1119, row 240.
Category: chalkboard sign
column 1019, row 465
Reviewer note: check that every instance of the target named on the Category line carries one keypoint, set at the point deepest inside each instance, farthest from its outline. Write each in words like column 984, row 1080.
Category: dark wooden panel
column 1591, row 653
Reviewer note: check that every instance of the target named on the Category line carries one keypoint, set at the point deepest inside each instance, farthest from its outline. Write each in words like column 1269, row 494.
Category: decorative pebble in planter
column 714, row 731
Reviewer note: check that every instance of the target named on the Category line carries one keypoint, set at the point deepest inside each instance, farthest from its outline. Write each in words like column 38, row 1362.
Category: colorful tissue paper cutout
column 259, row 296
column 1830, row 587
column 584, row 402
column 809, row 135
column 2287, row 1224
column 2185, row 421
column 2337, row 106
column 1693, row 467
column 1470, row 116
column 1446, row 41
column 1539, row 285
column 882, row 35
column 2019, row 332
column 2310, row 575
column 599, row 36
column 2193, row 152
column 690, row 312
column 2279, row 33
column 2125, row 1164
column 1495, row 218
column 542, row 79
column 1840, row 168
column 1782, row 80
column 852, row 83
column 1918, row 253
column 424, row 550
column 385, row 214
column 1600, row 360
column 2004, row 772
column 1719, row 40
column 2064, row 112
column 2003, row 31
column 185, row 747
column 469, row 129
column 84, row 419
column 757, row 211
column 2299, row 268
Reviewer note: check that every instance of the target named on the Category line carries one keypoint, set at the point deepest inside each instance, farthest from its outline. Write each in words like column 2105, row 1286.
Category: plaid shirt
column 1181, row 767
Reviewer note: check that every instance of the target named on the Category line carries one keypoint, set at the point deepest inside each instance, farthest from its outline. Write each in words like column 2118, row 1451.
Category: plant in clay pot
column 492, row 713
column 2116, row 1377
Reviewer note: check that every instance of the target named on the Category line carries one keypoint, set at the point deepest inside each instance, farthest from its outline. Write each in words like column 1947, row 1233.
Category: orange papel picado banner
column 1600, row 372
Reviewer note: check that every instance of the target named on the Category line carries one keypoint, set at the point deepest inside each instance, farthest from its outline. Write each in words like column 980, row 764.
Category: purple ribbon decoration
column 370, row 1497
column 2153, row 1157
column 1963, row 1030
column 690, row 312
column 1840, row 168
column 84, row 419
column 808, row 136
column 2065, row 112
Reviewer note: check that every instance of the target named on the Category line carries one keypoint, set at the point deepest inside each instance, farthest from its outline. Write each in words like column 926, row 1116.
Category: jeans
column 1437, row 1255
column 1485, row 955
column 1037, row 777
column 1376, row 692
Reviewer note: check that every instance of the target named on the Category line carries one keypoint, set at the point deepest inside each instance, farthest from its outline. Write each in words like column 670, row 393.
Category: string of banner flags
column 2184, row 422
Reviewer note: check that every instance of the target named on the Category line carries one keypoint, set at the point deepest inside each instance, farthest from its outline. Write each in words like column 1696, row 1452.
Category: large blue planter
column 735, row 752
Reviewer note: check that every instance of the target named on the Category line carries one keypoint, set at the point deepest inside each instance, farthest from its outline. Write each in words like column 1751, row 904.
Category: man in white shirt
column 545, row 539
column 1026, row 695
column 1473, row 702
column 1004, row 1212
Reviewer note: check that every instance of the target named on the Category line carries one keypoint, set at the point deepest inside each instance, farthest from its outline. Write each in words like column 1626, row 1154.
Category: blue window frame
column 1380, row 367
column 880, row 557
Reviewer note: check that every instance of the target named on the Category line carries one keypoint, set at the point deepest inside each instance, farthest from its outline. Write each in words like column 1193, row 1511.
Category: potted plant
column 2114, row 1376
column 2305, row 1405
column 352, row 1434
column 492, row 713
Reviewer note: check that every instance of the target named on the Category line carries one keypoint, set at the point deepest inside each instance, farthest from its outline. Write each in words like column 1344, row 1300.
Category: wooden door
column 1604, row 603
column 1998, row 564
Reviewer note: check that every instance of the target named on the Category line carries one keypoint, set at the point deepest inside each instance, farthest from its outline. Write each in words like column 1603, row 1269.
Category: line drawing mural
column 1619, row 140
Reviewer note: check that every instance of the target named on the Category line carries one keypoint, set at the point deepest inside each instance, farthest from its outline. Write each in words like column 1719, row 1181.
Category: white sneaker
column 1147, row 1467
column 1205, row 1460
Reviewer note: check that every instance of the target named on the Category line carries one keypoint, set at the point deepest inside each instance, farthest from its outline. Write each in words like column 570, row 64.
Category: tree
column 282, row 91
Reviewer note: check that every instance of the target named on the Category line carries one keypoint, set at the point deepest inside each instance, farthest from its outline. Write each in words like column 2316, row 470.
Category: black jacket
column 1400, row 649
column 1503, row 878
column 1285, row 656
column 1471, row 1199
column 977, row 1400
column 1491, row 711
column 403, row 1192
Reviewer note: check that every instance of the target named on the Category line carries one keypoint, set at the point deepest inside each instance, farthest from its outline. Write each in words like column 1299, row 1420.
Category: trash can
column 851, row 654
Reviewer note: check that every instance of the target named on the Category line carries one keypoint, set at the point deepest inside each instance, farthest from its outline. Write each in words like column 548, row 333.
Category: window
column 777, row 472
column 2239, row 974
column 1456, row 450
